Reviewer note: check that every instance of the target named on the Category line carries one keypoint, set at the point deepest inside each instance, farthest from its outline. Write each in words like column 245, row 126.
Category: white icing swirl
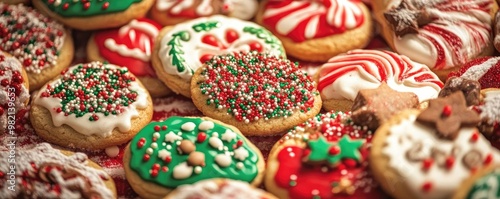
column 210, row 189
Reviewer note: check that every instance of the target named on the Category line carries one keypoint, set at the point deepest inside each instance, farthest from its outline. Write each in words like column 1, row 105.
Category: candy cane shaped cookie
column 442, row 34
column 130, row 46
column 92, row 15
column 316, row 30
column 343, row 76
column 171, row 12
column 41, row 44
column 180, row 50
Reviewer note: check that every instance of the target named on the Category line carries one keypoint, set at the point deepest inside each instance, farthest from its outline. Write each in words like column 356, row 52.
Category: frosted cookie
column 325, row 157
column 484, row 184
column 130, row 46
column 317, row 30
column 45, row 172
column 91, row 106
column 171, row 12
column 184, row 150
column 258, row 93
column 343, row 76
column 14, row 92
column 485, row 70
column 41, row 44
column 429, row 153
column 442, row 34
column 92, row 15
column 489, row 111
column 219, row 188
column 181, row 49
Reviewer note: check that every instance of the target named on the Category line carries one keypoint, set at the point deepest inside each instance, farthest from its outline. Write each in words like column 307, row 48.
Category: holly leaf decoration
column 175, row 49
column 206, row 26
column 266, row 36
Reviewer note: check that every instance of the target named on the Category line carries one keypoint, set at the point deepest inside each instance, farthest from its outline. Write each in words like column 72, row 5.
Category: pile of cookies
column 419, row 119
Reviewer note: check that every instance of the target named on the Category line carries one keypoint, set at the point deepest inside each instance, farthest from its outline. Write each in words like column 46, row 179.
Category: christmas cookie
column 258, row 93
column 325, row 157
column 45, row 172
column 485, row 70
column 171, row 12
column 489, row 111
column 442, row 34
column 185, row 150
column 16, row 1
column 91, row 15
column 91, row 106
column 130, row 46
column 429, row 153
column 317, row 30
column 181, row 49
column 219, row 188
column 14, row 92
column 42, row 45
column 343, row 76
column 470, row 88
column 484, row 184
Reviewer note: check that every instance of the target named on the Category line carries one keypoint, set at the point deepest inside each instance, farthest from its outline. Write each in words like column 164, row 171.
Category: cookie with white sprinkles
column 259, row 93
column 42, row 45
column 184, row 150
column 91, row 106
column 45, row 172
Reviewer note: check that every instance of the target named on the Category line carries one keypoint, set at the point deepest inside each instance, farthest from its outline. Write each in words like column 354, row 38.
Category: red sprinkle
column 488, row 159
column 145, row 157
column 201, row 137
column 450, row 161
column 427, row 164
column 334, row 150
column 427, row 186
column 447, row 111
column 157, row 128
column 474, row 137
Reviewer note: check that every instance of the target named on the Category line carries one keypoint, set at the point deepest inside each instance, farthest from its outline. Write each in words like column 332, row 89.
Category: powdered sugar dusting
column 477, row 71
column 491, row 109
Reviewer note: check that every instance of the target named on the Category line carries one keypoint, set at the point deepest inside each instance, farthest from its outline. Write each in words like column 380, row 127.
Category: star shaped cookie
column 407, row 17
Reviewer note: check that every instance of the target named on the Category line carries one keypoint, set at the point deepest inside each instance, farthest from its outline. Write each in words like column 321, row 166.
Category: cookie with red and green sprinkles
column 94, row 14
column 91, row 106
column 42, row 45
column 325, row 157
column 184, row 150
column 259, row 93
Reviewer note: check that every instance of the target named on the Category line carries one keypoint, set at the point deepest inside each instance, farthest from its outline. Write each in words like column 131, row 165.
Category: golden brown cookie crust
column 155, row 87
column 151, row 190
column 112, row 20
column 258, row 128
column 64, row 135
column 322, row 49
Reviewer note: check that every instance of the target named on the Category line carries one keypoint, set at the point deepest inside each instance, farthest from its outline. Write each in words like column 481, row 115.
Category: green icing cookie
column 487, row 186
column 87, row 8
column 183, row 150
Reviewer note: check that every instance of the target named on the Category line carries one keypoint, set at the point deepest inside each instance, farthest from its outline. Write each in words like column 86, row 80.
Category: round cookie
column 91, row 106
column 483, row 184
column 485, row 70
column 41, row 44
column 442, row 34
column 45, row 172
column 219, row 188
column 343, row 76
column 183, row 48
column 325, row 157
column 258, row 93
column 92, row 15
column 171, row 12
column 130, row 46
column 14, row 92
column 428, row 154
column 317, row 30
column 185, row 150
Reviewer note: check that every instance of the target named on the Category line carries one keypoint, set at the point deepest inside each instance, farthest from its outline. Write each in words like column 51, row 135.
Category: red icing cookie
column 485, row 70
column 326, row 157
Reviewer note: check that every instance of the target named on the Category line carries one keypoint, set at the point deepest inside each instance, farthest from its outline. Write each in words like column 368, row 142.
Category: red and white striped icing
column 303, row 20
column 344, row 75
column 460, row 31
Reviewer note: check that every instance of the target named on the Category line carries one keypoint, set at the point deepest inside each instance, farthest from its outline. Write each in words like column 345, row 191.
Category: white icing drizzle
column 106, row 124
column 42, row 154
column 477, row 71
column 209, row 189
column 9, row 65
column 469, row 24
column 197, row 49
column 123, row 50
column 176, row 6
column 403, row 136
